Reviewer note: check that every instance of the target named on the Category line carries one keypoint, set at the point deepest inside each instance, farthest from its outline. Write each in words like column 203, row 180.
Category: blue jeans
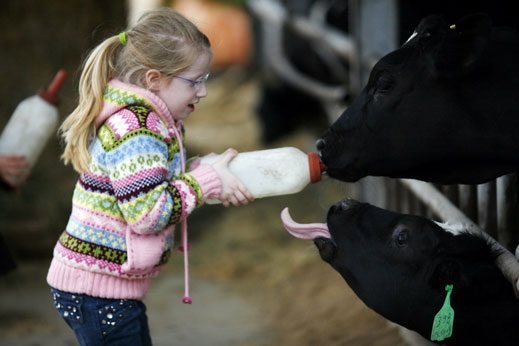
column 100, row 321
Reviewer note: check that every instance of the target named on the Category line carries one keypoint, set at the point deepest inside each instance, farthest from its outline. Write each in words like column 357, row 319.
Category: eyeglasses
column 195, row 84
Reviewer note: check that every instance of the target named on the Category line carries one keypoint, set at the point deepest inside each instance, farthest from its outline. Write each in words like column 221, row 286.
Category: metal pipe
column 273, row 17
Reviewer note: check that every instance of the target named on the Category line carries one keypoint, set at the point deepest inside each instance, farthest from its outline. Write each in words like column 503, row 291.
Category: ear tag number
column 444, row 319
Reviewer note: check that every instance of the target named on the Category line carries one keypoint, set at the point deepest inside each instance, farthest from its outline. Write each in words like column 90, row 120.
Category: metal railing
column 492, row 206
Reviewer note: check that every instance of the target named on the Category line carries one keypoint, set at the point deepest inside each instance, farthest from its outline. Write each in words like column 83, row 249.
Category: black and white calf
column 399, row 265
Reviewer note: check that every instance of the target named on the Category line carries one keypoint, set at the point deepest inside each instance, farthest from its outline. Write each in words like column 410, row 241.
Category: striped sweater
column 125, row 206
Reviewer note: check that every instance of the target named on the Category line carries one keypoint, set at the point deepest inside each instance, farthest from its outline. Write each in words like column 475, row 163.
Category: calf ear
column 447, row 271
column 431, row 29
column 463, row 46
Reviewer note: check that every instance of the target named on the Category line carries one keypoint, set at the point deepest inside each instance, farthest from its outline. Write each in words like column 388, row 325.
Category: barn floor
column 252, row 283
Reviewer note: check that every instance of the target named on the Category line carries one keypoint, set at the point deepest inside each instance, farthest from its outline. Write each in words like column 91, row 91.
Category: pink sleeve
column 208, row 179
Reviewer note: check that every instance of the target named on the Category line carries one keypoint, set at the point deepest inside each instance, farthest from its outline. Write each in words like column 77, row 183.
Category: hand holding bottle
column 272, row 172
column 14, row 169
column 233, row 190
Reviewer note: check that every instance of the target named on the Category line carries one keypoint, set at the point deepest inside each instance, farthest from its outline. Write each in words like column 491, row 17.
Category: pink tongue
column 304, row 231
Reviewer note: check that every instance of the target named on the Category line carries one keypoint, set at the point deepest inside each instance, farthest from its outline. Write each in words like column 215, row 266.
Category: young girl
column 126, row 139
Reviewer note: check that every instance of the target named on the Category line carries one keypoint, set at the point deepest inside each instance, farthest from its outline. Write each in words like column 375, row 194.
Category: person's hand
column 196, row 161
column 233, row 191
column 14, row 169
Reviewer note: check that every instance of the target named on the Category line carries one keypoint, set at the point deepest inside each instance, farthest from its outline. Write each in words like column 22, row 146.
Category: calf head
column 399, row 265
column 441, row 108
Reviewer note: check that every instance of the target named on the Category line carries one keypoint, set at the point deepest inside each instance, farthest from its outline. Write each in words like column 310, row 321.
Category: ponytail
column 78, row 129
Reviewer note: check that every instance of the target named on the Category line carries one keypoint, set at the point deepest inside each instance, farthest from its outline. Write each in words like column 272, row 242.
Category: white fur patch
column 411, row 37
column 458, row 228
column 455, row 228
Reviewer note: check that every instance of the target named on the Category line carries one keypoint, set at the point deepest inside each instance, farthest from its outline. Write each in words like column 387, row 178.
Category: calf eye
column 401, row 236
column 383, row 86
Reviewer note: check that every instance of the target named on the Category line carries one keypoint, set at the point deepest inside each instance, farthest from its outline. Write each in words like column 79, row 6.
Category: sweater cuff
column 208, row 180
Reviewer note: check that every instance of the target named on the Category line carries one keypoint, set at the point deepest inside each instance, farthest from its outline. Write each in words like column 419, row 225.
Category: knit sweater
column 125, row 206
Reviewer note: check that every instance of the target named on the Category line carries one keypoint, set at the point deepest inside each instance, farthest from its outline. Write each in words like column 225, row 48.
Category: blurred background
column 282, row 72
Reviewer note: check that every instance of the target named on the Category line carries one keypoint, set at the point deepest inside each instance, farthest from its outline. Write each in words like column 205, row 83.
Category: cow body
column 442, row 108
column 399, row 265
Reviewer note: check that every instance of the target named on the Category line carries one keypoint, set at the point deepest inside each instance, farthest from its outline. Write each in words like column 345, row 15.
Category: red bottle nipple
column 315, row 166
column 51, row 93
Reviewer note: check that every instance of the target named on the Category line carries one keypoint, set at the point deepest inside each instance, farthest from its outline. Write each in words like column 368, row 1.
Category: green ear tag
column 444, row 319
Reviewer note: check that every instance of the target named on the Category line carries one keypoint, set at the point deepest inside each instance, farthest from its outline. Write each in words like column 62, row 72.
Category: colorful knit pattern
column 134, row 185
column 123, row 97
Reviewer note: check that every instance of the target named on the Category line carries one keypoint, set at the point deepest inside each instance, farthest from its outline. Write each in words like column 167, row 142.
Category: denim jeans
column 100, row 321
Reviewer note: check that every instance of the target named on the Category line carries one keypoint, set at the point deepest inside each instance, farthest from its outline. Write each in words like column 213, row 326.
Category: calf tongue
column 304, row 231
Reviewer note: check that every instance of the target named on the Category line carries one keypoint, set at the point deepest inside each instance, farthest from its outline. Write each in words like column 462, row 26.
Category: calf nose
column 319, row 144
column 347, row 203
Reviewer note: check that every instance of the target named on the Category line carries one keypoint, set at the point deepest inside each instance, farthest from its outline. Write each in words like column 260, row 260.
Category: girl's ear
column 152, row 80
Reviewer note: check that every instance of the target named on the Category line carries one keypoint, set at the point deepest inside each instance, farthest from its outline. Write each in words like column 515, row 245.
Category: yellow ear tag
column 444, row 319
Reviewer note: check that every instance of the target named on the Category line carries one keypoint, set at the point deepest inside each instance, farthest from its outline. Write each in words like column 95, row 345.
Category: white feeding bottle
column 274, row 172
column 33, row 122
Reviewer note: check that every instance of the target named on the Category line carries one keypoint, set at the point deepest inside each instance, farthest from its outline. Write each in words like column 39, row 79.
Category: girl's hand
column 233, row 191
column 196, row 161
column 14, row 169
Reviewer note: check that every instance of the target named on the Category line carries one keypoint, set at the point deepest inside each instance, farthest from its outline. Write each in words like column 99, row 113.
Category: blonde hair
column 161, row 39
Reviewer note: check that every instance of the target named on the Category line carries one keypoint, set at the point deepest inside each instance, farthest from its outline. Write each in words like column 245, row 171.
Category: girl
column 126, row 138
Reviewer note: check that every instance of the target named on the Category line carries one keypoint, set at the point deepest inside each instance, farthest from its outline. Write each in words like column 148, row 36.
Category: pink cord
column 186, row 299
column 184, row 247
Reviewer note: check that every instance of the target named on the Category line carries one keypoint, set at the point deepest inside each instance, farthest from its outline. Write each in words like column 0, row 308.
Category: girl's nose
column 202, row 91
